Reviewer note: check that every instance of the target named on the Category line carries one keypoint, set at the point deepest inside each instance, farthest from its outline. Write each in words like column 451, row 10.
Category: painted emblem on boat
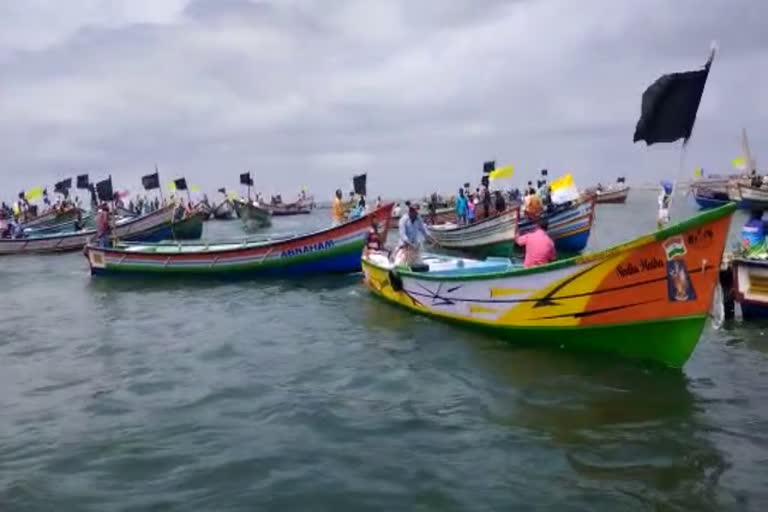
column 701, row 239
column 679, row 286
column 675, row 248
column 320, row 246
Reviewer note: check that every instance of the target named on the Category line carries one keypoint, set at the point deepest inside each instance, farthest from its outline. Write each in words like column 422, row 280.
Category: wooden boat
column 750, row 286
column 748, row 197
column 333, row 250
column 612, row 195
column 442, row 216
column 254, row 216
column 189, row 228
column 155, row 226
column 283, row 209
column 204, row 209
column 647, row 298
column 224, row 211
column 52, row 217
column 707, row 198
column 569, row 228
column 69, row 226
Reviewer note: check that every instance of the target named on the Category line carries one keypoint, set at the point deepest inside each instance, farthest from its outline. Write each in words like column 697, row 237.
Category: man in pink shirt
column 539, row 248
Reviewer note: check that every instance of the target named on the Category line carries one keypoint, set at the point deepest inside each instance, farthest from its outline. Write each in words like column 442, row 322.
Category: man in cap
column 412, row 236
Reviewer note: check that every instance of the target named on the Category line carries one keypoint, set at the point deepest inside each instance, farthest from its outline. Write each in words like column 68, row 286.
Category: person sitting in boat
column 103, row 226
column 179, row 213
column 755, row 181
column 499, row 203
column 412, row 235
column 539, row 247
column 338, row 211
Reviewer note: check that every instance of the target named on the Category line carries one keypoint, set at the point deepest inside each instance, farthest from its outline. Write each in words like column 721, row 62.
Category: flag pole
column 160, row 186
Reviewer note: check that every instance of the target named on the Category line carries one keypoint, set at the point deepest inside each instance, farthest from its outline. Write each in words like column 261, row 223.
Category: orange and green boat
column 646, row 299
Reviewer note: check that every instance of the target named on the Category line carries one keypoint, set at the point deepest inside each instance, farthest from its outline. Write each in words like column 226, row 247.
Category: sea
column 311, row 395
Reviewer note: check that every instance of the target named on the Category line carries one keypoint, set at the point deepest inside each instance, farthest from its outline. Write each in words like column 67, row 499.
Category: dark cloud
column 417, row 93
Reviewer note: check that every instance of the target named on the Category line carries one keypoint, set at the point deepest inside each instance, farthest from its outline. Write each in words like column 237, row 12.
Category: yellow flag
column 562, row 182
column 739, row 163
column 502, row 172
column 194, row 188
column 698, row 173
column 171, row 185
column 34, row 193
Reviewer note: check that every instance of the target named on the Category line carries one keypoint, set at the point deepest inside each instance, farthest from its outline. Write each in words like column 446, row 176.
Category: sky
column 415, row 93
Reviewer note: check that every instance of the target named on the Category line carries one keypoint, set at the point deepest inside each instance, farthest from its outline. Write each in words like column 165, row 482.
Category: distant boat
column 613, row 194
column 254, row 216
column 707, row 198
column 52, row 217
column 332, row 250
column 283, row 209
column 569, row 228
column 155, row 226
column 224, row 210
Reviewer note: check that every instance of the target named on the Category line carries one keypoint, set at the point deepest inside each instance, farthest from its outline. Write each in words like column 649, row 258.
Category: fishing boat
column 569, row 228
column 441, row 216
column 647, row 299
column 750, row 286
column 748, row 197
column 224, row 211
column 285, row 209
column 189, row 228
column 332, row 250
column 253, row 215
column 155, row 226
column 708, row 198
column 612, row 195
column 52, row 217
column 68, row 226
column 204, row 209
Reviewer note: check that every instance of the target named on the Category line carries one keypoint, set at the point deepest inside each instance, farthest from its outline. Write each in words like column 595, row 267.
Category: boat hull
column 334, row 250
column 155, row 226
column 224, row 211
column 749, row 198
column 750, row 287
column 646, row 299
column 190, row 228
column 253, row 217
column 569, row 229
column 613, row 196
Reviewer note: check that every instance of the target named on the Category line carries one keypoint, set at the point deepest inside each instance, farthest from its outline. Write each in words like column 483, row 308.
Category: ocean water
column 312, row 395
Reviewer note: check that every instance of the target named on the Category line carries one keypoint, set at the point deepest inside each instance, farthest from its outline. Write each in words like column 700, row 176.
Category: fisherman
column 461, row 207
column 486, row 202
column 378, row 202
column 532, row 206
column 412, row 235
column 665, row 199
column 103, row 225
column 373, row 241
column 500, row 203
column 539, row 247
column 338, row 212
column 471, row 209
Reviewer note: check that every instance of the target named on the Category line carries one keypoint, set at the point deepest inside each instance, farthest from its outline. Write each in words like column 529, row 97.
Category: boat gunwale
column 673, row 230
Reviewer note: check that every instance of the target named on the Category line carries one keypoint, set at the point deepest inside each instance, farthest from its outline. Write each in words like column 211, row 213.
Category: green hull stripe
column 668, row 341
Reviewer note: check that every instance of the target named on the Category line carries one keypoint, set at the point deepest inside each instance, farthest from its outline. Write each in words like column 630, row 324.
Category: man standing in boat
column 338, row 211
column 103, row 226
column 412, row 235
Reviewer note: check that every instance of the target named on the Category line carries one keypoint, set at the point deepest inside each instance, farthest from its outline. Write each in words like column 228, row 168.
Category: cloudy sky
column 415, row 92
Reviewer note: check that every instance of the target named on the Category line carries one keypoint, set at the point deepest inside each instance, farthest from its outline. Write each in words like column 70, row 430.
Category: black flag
column 151, row 181
column 245, row 179
column 223, row 190
column 181, row 184
column 359, row 184
column 489, row 167
column 670, row 104
column 63, row 186
column 82, row 181
column 104, row 190
column 544, row 172
column 620, row 179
